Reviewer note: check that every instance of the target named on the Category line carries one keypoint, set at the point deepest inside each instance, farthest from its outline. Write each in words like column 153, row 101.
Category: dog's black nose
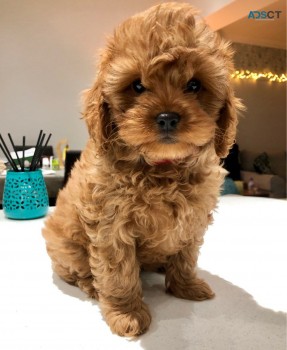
column 167, row 121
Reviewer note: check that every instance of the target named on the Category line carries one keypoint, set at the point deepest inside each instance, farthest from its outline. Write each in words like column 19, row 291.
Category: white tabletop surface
column 243, row 259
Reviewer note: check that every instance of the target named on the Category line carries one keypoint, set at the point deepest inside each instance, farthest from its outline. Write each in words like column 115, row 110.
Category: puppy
column 160, row 115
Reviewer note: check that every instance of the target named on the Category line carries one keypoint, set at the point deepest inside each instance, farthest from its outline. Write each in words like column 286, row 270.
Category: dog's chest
column 158, row 217
column 161, row 225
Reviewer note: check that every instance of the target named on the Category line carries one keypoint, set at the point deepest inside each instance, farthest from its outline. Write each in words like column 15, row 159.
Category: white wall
column 48, row 54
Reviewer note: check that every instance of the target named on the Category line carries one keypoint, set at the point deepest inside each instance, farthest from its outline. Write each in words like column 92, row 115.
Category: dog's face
column 163, row 87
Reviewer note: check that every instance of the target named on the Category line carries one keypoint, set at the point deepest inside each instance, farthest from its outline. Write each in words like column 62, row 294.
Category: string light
column 246, row 74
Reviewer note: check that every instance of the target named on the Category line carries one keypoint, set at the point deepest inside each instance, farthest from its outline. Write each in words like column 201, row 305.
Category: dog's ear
column 97, row 116
column 226, row 124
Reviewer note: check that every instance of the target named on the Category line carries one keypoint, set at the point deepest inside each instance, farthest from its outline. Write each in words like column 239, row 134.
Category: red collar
column 163, row 161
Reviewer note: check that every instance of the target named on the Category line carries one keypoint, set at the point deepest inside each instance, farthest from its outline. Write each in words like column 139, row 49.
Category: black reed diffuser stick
column 14, row 148
column 42, row 151
column 36, row 147
column 37, row 153
column 7, row 153
column 37, row 156
column 23, row 154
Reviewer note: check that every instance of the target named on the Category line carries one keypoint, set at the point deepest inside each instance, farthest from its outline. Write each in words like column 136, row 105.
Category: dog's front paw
column 197, row 290
column 129, row 324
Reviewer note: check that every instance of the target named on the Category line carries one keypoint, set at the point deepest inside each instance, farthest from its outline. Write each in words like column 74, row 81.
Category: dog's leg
column 181, row 279
column 66, row 246
column 116, row 278
column 70, row 262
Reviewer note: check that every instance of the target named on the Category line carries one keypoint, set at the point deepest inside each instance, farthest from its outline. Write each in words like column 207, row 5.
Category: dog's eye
column 193, row 85
column 138, row 87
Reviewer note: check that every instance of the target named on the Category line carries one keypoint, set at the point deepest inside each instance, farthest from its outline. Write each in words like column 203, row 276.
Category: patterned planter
column 25, row 195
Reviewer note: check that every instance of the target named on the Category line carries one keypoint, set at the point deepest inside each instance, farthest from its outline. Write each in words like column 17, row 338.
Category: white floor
column 243, row 259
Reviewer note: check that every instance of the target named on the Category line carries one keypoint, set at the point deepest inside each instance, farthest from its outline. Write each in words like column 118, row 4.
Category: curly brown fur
column 143, row 193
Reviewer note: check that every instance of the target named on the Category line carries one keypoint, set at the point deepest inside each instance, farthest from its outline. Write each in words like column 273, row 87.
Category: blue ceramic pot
column 25, row 195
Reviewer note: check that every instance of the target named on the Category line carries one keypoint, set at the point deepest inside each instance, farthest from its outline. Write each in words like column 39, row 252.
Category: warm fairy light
column 246, row 74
